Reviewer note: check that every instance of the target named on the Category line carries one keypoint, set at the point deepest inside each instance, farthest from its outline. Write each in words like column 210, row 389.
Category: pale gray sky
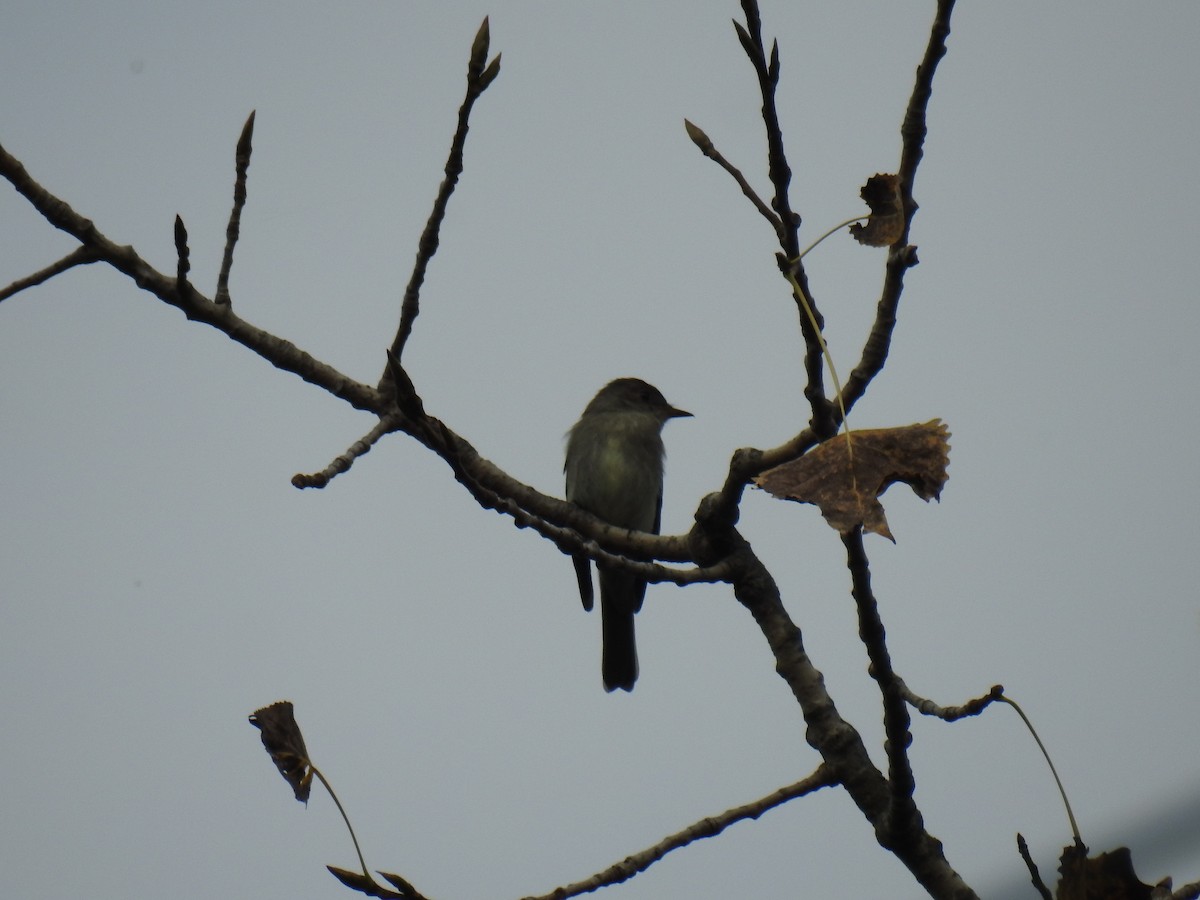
column 161, row 579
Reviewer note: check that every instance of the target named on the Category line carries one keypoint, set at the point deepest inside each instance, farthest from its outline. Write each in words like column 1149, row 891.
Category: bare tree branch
column 184, row 256
column 902, row 257
column 233, row 229
column 280, row 353
column 702, row 140
column 80, row 256
column 342, row 463
column 780, row 172
column 902, row 816
column 950, row 713
column 479, row 76
column 1035, row 876
column 714, row 547
column 705, row 828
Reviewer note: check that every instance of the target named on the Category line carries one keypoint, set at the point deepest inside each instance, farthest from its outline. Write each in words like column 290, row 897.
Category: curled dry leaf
column 1109, row 875
column 886, row 225
column 845, row 475
column 285, row 744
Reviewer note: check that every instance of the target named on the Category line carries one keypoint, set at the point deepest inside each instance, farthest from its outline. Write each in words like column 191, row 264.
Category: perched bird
column 614, row 470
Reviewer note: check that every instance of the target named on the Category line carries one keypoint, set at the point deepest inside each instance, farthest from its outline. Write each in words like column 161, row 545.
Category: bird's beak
column 673, row 413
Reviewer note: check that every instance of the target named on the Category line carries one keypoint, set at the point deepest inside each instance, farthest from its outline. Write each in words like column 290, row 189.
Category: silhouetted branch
column 1035, row 877
column 181, row 251
column 233, row 229
column 280, row 353
column 705, row 828
column 80, row 256
column 779, row 171
column 702, row 140
column 342, row 463
column 902, row 816
column 902, row 256
column 950, row 713
column 479, row 76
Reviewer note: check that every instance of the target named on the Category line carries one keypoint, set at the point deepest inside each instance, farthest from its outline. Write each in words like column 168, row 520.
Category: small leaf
column 773, row 68
column 845, row 475
column 886, row 225
column 285, row 744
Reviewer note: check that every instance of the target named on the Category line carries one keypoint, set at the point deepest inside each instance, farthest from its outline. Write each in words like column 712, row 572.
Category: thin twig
column 181, row 251
column 279, row 352
column 233, row 229
column 950, row 713
column 902, row 257
column 780, row 173
column 479, row 76
column 342, row 463
column 1035, row 876
column 702, row 140
column 80, row 256
column 705, row 828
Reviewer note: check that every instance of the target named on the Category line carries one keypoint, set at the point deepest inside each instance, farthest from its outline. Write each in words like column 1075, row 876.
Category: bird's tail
column 618, row 592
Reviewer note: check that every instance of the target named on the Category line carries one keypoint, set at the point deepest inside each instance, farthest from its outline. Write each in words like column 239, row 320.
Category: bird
column 614, row 470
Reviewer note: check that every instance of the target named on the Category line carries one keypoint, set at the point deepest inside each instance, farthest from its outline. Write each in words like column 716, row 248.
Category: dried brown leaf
column 1109, row 876
column 285, row 744
column 886, row 224
column 845, row 476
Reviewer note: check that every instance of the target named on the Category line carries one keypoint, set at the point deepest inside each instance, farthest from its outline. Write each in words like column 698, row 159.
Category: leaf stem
column 345, row 818
column 804, row 252
column 1050, row 763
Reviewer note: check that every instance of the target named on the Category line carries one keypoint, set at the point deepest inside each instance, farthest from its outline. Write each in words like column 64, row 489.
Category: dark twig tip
column 243, row 144
column 489, row 74
column 181, row 250
column 479, row 48
column 746, row 41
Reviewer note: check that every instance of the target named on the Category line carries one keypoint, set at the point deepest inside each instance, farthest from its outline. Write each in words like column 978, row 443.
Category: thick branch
column 902, row 817
column 839, row 744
